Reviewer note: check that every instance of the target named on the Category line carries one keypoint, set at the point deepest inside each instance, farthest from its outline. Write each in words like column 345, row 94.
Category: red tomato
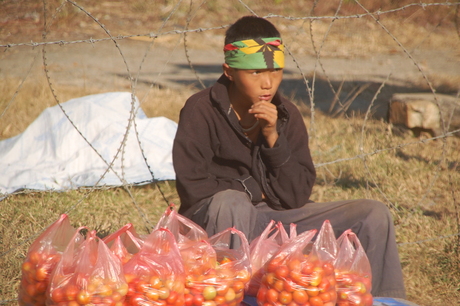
column 220, row 300
column 300, row 297
column 289, row 286
column 294, row 265
column 238, row 286
column 278, row 285
column 367, row 299
column 307, row 268
column 271, row 296
column 312, row 291
column 71, row 292
column 261, row 294
column 328, row 268
column 188, row 299
column 316, row 301
column 284, row 297
column 171, row 299
column 198, row 300
column 325, row 296
column 282, row 272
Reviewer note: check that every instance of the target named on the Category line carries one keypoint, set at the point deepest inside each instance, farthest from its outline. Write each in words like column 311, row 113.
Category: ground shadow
column 334, row 98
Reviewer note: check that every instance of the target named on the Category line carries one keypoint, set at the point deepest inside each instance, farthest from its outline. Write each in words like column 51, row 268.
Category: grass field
column 357, row 157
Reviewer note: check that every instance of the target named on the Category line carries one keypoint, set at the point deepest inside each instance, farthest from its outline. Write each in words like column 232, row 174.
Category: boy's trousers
column 370, row 220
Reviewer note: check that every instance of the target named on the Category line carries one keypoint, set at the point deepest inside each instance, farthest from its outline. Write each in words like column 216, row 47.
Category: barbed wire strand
column 361, row 143
column 181, row 32
column 310, row 91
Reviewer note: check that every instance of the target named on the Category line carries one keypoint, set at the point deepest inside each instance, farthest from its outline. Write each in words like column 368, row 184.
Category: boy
column 241, row 158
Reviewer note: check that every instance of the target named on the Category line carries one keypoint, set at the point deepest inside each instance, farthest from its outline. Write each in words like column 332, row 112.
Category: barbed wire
column 310, row 90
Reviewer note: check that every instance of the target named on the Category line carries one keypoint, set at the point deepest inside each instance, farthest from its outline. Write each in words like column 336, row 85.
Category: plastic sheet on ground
column 51, row 154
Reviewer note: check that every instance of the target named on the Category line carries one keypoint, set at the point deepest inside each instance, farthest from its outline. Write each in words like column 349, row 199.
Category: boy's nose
column 267, row 81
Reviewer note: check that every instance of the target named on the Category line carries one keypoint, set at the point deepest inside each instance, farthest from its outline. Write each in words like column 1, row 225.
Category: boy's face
column 252, row 86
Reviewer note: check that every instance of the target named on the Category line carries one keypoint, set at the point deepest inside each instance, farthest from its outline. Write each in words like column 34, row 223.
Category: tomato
column 222, row 289
column 289, row 286
column 269, row 278
column 307, row 268
column 328, row 268
column 198, row 300
column 325, row 296
column 209, row 293
column 163, row 293
column 188, row 299
column 284, row 297
column 230, row 295
column 324, row 285
column 294, row 265
column 282, row 272
column 300, row 297
column 106, row 290
column 359, row 287
column 312, row 291
column 152, row 294
column 41, row 274
column 238, row 286
column 273, row 264
column 220, row 300
column 278, row 285
column 171, row 299
column 261, row 294
column 243, row 275
column 271, row 295
column 316, row 301
column 367, row 299
column 71, row 292
column 83, row 297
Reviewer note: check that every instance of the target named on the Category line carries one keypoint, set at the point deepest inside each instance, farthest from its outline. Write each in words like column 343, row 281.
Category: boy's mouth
column 265, row 97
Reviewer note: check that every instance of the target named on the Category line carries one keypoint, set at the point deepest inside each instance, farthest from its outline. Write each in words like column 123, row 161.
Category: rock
column 422, row 112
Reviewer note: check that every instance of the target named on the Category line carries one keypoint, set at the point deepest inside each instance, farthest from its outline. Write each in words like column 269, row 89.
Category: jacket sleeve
column 193, row 156
column 290, row 170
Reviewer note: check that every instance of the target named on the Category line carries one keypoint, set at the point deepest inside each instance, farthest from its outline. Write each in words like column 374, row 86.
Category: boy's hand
column 267, row 114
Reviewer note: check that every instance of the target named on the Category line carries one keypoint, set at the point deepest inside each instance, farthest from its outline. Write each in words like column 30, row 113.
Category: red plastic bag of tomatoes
column 222, row 280
column 353, row 272
column 155, row 274
column 88, row 273
column 297, row 275
column 197, row 254
column 124, row 243
column 183, row 229
column 263, row 248
column 42, row 257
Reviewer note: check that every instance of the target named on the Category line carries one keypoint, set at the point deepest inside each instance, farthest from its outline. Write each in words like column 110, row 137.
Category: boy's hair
column 250, row 27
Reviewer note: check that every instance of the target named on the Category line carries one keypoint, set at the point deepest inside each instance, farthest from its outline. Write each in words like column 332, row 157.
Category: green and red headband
column 261, row 53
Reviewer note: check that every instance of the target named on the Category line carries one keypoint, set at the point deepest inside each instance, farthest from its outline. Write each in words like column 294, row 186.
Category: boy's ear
column 228, row 71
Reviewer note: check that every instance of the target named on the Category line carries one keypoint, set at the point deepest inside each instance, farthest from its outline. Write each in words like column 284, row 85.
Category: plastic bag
column 263, row 248
column 222, row 280
column 155, row 274
column 353, row 272
column 88, row 273
column 42, row 257
column 183, row 229
column 124, row 243
column 197, row 254
column 301, row 271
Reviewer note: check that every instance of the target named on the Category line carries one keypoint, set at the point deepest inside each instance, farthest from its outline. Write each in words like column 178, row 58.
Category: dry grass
column 418, row 181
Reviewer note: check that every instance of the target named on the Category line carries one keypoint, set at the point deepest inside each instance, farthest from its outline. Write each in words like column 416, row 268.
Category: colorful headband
column 260, row 53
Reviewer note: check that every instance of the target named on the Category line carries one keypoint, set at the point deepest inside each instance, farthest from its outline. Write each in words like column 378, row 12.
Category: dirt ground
column 106, row 65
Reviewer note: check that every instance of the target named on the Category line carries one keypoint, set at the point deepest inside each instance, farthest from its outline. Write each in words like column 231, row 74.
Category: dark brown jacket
column 212, row 154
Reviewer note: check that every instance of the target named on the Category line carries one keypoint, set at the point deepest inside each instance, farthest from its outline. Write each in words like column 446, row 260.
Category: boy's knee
column 230, row 202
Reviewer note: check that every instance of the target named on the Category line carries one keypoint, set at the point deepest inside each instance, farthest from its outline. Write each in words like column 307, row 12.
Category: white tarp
column 52, row 155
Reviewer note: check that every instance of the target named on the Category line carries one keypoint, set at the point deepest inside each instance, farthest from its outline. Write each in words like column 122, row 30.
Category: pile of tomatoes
column 220, row 286
column 297, row 282
column 353, row 289
column 80, row 290
column 36, row 271
column 152, row 290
